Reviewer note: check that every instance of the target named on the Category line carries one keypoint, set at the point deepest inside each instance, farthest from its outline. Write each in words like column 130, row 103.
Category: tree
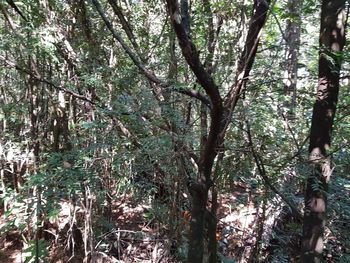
column 160, row 130
column 220, row 109
column 332, row 40
column 293, row 42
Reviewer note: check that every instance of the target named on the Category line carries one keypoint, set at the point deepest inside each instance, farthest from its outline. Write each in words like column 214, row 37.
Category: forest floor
column 135, row 236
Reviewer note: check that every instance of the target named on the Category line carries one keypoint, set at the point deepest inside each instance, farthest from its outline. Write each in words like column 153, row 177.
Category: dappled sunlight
column 174, row 131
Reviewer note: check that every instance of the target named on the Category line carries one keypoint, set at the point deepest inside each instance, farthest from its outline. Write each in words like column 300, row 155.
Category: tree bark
column 246, row 60
column 332, row 39
column 292, row 50
column 220, row 115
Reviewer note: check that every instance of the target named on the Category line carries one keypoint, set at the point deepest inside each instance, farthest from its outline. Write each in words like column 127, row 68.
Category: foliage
column 91, row 147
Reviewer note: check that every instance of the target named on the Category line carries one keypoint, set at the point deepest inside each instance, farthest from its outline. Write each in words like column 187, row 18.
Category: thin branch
column 194, row 94
column 48, row 82
column 125, row 25
column 213, row 35
column 250, row 48
column 147, row 73
column 134, row 57
column 261, row 168
column 185, row 16
column 9, row 20
column 151, row 50
column 247, row 58
column 15, row 7
column 280, row 27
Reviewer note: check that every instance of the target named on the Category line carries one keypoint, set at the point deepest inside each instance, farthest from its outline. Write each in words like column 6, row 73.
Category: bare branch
column 245, row 63
column 134, row 57
column 15, row 7
column 213, row 35
column 185, row 16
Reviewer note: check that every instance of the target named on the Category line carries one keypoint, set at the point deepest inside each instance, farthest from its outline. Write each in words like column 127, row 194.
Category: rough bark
column 332, row 39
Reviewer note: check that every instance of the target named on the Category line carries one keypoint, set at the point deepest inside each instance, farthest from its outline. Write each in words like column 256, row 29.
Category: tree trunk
column 199, row 194
column 292, row 50
column 332, row 39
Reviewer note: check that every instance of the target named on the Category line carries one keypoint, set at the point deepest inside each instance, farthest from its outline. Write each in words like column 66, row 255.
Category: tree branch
column 40, row 79
column 191, row 55
column 213, row 35
column 147, row 73
column 246, row 60
column 125, row 25
column 194, row 94
column 261, row 168
column 245, row 63
column 134, row 57
column 185, row 16
column 14, row 6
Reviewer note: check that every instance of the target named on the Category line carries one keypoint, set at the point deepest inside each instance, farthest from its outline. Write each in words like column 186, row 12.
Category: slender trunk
column 292, row 50
column 198, row 212
column 332, row 39
column 33, row 109
column 212, row 224
column 199, row 190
